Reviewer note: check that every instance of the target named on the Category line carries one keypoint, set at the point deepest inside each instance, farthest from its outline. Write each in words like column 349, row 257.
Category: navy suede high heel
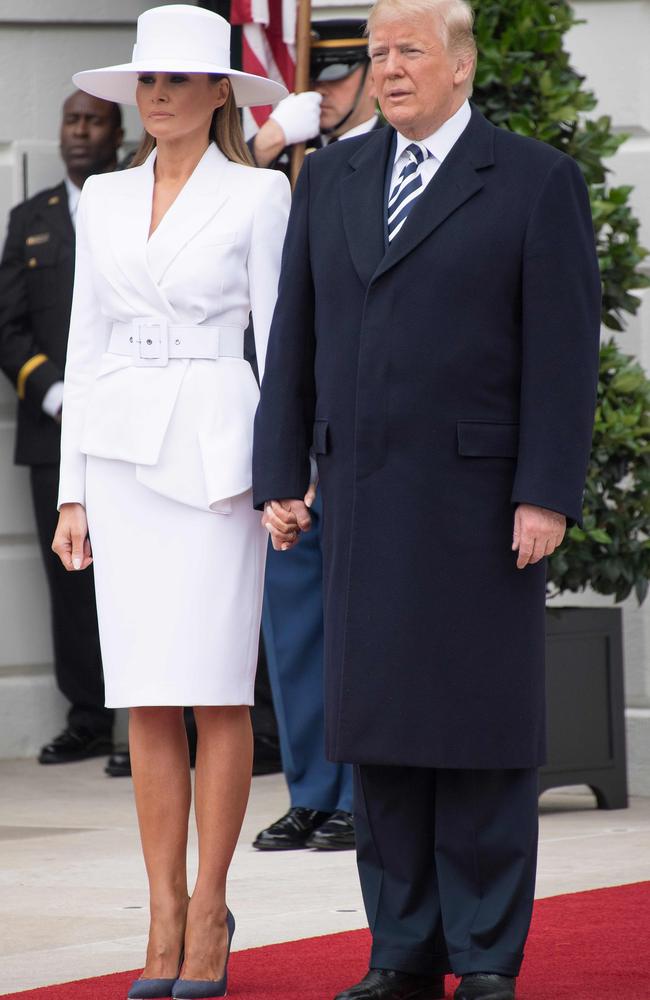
column 206, row 989
column 153, row 989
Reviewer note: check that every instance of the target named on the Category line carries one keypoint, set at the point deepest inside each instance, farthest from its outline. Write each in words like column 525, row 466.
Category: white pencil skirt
column 179, row 593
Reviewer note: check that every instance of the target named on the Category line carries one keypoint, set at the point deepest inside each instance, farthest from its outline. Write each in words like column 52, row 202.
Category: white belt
column 152, row 341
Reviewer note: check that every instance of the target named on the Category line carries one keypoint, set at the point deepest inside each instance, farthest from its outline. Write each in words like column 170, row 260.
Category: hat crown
column 178, row 31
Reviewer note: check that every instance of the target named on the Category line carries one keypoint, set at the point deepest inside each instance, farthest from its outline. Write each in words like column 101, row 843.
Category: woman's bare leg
column 224, row 762
column 161, row 779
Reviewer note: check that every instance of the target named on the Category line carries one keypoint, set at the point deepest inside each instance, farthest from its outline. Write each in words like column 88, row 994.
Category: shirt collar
column 361, row 129
column 74, row 193
column 441, row 142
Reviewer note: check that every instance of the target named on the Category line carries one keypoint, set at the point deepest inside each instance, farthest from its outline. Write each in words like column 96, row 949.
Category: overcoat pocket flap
column 483, row 439
column 321, row 437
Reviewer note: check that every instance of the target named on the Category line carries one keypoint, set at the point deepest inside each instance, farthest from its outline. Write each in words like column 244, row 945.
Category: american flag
column 268, row 47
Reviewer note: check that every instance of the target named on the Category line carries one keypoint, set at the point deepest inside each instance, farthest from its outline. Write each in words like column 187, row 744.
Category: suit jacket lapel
column 129, row 228
column 203, row 195
column 58, row 213
column 457, row 180
column 362, row 200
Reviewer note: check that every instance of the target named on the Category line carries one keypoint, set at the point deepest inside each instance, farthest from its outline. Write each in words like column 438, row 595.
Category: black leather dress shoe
column 119, row 764
column 486, row 986
column 336, row 833
column 74, row 744
column 389, row 984
column 291, row 831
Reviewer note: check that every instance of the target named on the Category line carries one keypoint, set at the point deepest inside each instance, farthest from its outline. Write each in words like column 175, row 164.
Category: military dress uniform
column 36, row 279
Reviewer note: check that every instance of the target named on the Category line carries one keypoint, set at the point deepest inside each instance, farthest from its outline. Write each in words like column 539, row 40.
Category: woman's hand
column 71, row 542
column 285, row 520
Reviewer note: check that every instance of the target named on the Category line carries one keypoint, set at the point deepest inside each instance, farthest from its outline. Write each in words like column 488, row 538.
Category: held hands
column 285, row 519
column 298, row 115
column 71, row 542
column 537, row 533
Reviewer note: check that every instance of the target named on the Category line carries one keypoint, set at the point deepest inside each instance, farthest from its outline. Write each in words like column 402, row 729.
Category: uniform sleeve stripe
column 27, row 370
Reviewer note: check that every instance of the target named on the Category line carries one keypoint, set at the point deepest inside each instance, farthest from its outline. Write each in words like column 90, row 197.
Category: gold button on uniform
column 32, row 262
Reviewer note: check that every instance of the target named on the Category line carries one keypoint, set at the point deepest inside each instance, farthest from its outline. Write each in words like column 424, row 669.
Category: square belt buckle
column 152, row 337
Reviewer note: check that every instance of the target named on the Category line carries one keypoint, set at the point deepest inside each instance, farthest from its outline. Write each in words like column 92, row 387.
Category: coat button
column 150, row 342
column 32, row 262
column 130, row 340
column 177, row 342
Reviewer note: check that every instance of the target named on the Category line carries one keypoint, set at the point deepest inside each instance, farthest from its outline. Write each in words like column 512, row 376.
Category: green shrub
column 525, row 82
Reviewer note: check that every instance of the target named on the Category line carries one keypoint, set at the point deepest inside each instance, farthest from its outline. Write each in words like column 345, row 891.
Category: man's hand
column 71, row 542
column 284, row 520
column 537, row 533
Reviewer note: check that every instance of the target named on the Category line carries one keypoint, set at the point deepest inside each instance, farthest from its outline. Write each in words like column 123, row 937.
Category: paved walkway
column 72, row 886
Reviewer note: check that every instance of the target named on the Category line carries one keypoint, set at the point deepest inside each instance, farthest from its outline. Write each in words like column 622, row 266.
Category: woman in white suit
column 172, row 256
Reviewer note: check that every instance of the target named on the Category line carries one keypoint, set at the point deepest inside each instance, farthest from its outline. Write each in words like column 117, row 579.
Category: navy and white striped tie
column 406, row 190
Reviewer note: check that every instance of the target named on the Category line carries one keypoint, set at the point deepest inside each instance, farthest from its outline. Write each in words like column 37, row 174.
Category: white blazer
column 186, row 426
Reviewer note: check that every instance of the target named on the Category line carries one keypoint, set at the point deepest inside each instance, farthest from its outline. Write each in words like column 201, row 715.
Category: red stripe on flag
column 241, row 11
column 279, row 48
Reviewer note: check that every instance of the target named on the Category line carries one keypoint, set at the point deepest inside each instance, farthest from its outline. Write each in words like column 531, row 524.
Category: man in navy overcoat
column 436, row 341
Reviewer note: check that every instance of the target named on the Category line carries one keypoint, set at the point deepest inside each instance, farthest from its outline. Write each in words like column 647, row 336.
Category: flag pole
column 303, row 44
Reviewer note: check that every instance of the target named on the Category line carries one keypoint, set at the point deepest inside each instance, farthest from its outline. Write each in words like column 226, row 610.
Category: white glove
column 298, row 115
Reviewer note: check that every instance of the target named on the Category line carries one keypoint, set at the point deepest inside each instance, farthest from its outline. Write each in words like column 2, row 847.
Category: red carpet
column 584, row 946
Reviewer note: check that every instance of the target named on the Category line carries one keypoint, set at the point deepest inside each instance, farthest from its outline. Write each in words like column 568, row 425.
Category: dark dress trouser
column 447, row 862
column 292, row 624
column 77, row 656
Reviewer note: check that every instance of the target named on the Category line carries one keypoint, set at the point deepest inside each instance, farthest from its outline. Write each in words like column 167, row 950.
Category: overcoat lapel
column 457, row 180
column 362, row 199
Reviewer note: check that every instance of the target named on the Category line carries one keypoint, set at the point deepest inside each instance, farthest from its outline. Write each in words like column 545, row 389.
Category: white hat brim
column 118, row 83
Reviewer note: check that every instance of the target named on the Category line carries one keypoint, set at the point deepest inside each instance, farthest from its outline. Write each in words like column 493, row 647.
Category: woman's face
column 174, row 105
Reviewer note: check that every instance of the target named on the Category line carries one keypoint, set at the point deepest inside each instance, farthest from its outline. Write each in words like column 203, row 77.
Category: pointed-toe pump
column 206, row 989
column 153, row 989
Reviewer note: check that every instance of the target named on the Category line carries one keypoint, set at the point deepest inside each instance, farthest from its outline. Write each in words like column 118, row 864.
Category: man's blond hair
column 455, row 17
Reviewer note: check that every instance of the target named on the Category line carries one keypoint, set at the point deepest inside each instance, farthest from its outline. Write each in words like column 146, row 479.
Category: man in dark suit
column 36, row 279
column 436, row 339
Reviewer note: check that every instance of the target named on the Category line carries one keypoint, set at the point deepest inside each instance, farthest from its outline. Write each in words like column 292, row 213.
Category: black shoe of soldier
column 291, row 831
column 74, row 744
column 336, row 833
column 119, row 764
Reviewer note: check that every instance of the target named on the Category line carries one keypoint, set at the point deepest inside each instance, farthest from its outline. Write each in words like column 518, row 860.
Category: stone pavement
column 73, row 899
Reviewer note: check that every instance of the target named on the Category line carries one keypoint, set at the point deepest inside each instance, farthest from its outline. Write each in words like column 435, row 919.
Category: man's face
column 338, row 98
column 418, row 82
column 89, row 135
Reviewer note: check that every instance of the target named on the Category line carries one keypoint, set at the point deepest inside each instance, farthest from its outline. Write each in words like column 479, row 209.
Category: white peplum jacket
column 185, row 424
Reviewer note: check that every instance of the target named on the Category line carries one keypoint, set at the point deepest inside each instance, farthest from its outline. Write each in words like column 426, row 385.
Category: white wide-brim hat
column 178, row 39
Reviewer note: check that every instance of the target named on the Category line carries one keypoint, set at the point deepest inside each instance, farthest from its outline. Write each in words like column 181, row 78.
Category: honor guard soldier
column 36, row 278
column 341, row 105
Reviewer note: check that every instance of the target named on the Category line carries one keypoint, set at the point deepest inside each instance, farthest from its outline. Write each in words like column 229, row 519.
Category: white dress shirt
column 53, row 398
column 74, row 194
column 439, row 145
column 361, row 129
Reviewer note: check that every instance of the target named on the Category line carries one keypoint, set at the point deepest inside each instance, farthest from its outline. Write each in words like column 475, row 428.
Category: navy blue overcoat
column 441, row 382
